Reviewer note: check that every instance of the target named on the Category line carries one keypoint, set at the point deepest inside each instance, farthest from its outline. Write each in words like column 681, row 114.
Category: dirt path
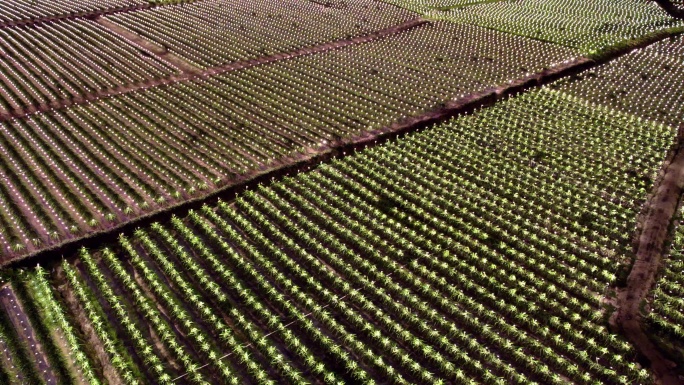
column 213, row 71
column 25, row 332
column 656, row 218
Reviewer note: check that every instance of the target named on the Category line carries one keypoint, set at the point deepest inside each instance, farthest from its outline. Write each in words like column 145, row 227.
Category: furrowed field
column 342, row 191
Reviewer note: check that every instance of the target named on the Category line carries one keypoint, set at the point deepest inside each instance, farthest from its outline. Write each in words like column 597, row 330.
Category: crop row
column 16, row 363
column 587, row 25
column 478, row 250
column 71, row 59
column 425, row 6
column 69, row 171
column 21, row 10
column 648, row 83
column 216, row 32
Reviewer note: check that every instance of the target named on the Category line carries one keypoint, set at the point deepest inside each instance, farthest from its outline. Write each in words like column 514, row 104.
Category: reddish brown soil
column 655, row 223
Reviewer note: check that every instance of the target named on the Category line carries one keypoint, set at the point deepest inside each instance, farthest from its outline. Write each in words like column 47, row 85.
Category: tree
column 676, row 11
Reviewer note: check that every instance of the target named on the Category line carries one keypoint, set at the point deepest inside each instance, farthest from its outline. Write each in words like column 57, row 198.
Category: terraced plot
column 493, row 247
column 71, row 60
column 18, row 11
column 665, row 314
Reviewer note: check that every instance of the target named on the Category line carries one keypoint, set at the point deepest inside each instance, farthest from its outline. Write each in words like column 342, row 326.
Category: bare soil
column 655, row 223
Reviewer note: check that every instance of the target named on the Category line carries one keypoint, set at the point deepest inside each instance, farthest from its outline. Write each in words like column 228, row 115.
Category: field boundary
column 212, row 71
column 309, row 157
column 655, row 226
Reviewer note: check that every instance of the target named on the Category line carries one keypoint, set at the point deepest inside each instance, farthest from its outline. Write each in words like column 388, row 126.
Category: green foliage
column 589, row 26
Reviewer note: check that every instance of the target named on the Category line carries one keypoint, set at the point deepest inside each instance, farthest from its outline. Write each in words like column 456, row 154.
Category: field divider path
column 656, row 222
column 195, row 73
column 305, row 160
column 310, row 157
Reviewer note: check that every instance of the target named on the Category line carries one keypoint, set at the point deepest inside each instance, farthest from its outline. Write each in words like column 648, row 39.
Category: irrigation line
column 246, row 345
column 269, row 334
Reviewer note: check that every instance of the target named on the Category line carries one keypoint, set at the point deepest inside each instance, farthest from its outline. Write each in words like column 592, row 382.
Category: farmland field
column 119, row 157
column 341, row 192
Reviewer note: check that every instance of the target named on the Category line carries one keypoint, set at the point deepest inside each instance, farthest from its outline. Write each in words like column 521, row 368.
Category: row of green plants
column 16, row 366
column 664, row 315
